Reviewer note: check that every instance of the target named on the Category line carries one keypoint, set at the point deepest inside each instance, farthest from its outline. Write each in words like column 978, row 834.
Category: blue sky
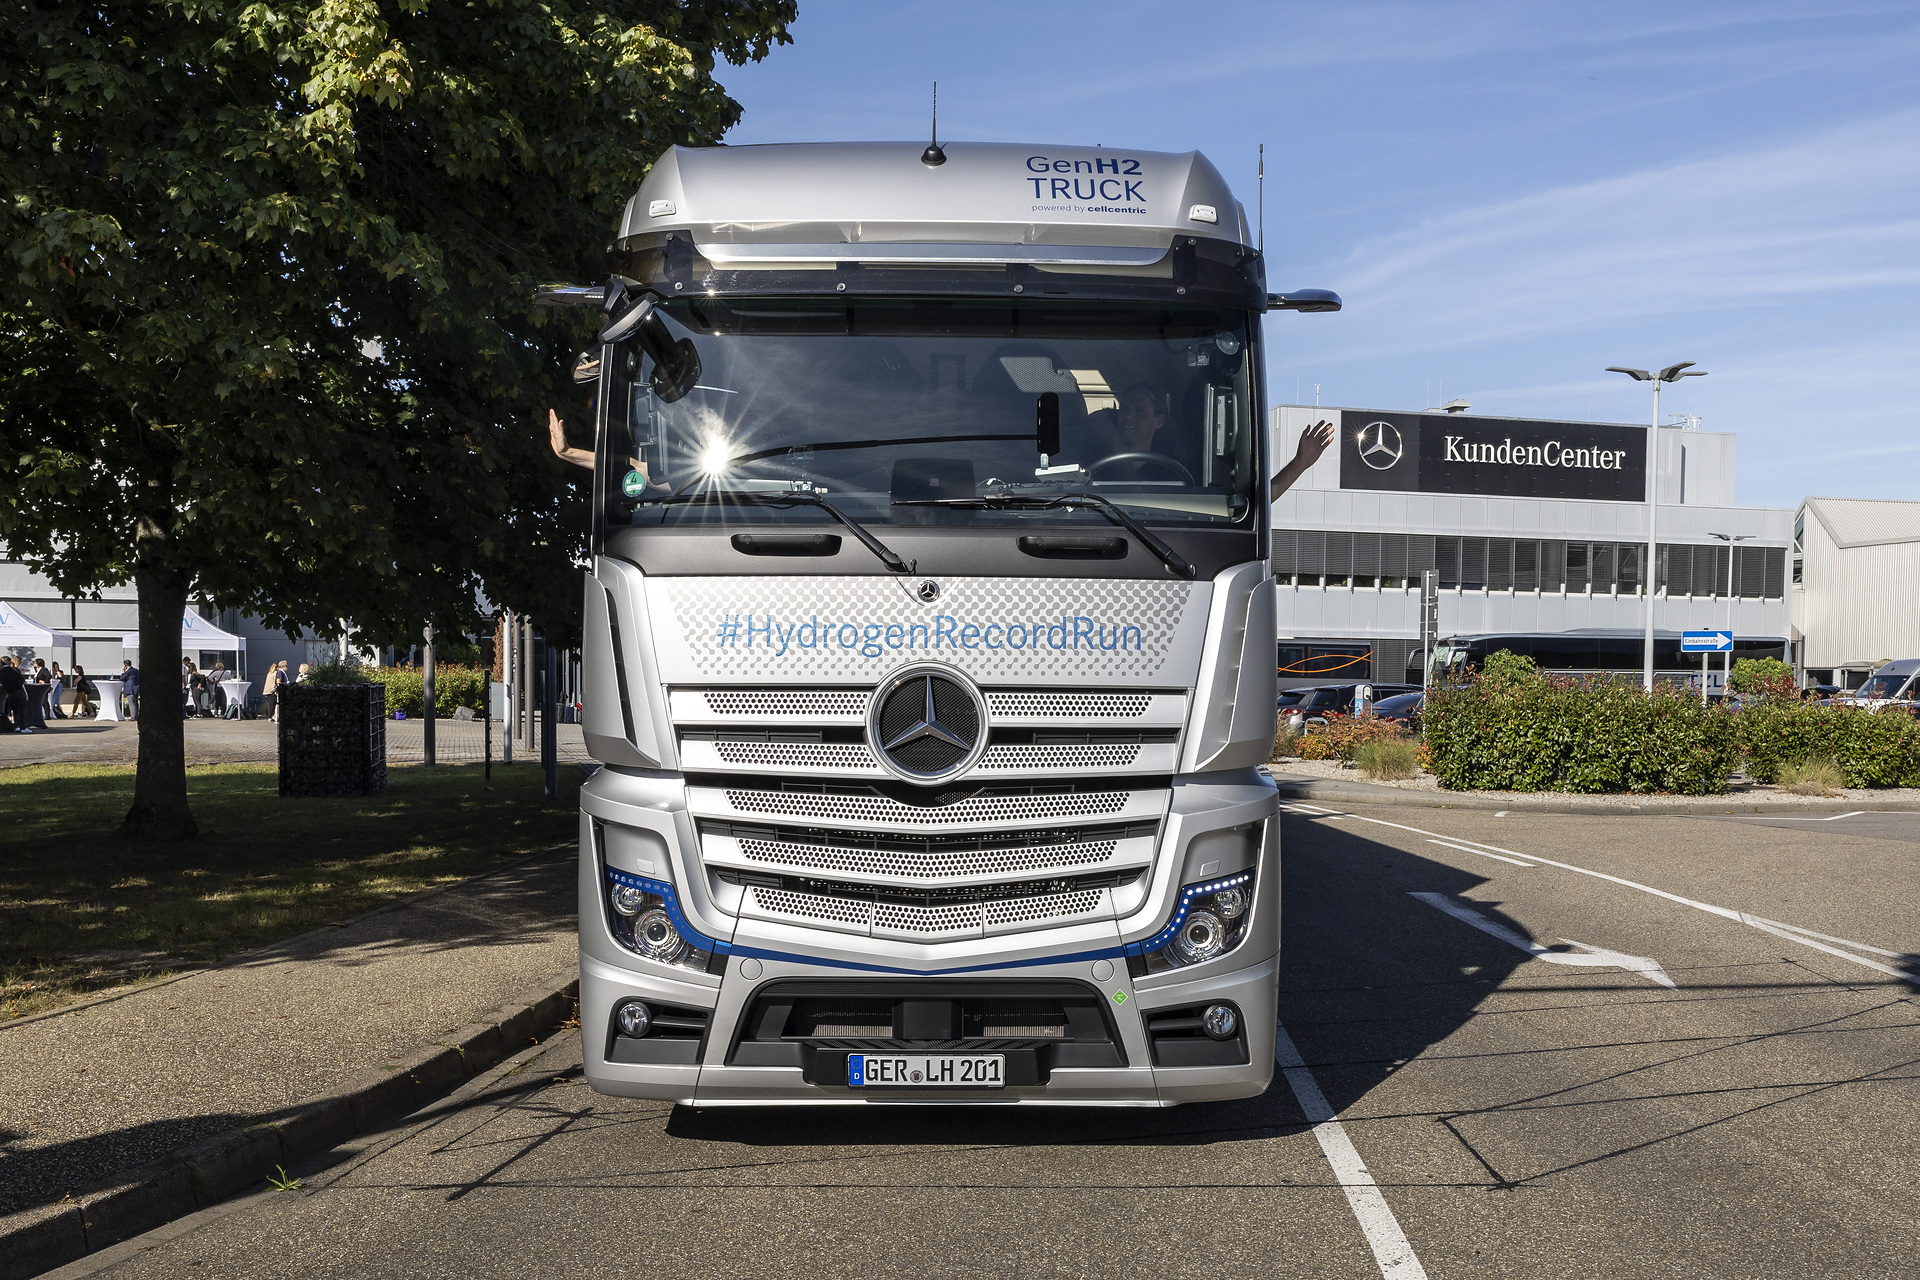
column 1510, row 197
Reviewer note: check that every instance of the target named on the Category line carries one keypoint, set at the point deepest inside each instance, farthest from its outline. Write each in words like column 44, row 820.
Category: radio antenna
column 1262, row 187
column 933, row 156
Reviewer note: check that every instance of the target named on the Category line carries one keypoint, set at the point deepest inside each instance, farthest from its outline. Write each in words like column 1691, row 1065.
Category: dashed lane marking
column 1791, row 933
column 1389, row 1244
column 1589, row 957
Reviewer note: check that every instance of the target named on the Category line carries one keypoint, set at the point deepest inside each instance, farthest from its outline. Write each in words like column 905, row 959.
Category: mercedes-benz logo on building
column 1380, row 445
column 927, row 724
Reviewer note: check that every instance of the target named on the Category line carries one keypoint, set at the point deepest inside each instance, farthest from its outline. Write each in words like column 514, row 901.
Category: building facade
column 1532, row 526
column 99, row 628
column 1856, row 581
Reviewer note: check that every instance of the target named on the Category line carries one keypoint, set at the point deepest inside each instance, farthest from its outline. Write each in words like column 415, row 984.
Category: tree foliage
column 1768, row 677
column 265, row 322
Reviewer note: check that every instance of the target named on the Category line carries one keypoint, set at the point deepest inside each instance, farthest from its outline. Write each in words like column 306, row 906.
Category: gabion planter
column 333, row 740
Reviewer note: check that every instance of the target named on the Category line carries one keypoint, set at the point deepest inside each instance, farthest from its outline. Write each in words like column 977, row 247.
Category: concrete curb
column 139, row 1199
column 1550, row 803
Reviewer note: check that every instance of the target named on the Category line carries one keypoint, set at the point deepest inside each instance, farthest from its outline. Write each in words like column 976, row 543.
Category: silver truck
column 929, row 633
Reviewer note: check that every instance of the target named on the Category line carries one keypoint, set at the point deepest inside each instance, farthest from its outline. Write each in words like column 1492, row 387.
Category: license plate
column 927, row 1070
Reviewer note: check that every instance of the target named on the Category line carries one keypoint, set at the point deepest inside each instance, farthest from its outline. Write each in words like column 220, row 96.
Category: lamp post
column 1730, row 539
column 1672, row 373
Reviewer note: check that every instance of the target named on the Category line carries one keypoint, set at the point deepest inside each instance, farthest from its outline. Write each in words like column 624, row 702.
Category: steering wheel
column 1158, row 459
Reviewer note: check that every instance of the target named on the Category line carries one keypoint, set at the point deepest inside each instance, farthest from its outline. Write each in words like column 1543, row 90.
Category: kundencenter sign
column 1500, row 457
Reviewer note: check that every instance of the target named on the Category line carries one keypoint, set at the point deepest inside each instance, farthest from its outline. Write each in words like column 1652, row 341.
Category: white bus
column 929, row 633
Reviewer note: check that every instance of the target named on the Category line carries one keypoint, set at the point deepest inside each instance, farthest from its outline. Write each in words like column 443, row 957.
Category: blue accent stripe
column 699, row 941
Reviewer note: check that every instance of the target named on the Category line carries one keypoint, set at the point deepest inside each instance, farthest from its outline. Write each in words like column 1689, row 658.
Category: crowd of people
column 54, row 694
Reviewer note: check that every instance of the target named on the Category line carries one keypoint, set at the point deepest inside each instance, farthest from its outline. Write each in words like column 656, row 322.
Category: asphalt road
column 1706, row 1065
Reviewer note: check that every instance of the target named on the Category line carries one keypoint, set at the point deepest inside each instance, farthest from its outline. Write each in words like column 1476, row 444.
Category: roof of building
column 1866, row 522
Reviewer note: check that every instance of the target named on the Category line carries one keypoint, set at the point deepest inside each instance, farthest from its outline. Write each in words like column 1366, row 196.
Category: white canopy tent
column 196, row 633
column 17, row 631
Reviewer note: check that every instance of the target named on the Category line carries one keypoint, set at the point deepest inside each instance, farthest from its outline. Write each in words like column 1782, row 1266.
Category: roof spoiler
column 1304, row 300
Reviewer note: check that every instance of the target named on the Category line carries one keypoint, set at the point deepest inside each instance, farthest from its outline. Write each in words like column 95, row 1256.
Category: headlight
column 645, row 917
column 1209, row 921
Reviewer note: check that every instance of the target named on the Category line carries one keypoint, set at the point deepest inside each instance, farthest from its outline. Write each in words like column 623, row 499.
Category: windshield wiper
column 886, row 554
column 1082, row 501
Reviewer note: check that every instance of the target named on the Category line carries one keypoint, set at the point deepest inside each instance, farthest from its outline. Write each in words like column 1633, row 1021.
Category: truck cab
column 929, row 633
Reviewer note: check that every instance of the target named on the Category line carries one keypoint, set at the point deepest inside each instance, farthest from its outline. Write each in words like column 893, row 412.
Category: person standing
column 270, row 690
column 13, row 696
column 131, row 674
column 53, row 694
column 84, row 693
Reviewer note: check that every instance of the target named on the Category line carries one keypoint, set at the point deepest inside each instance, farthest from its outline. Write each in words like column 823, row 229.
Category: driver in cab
column 1140, row 419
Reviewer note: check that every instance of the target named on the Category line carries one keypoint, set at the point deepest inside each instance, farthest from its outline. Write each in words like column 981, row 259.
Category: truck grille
column 826, row 838
column 982, row 810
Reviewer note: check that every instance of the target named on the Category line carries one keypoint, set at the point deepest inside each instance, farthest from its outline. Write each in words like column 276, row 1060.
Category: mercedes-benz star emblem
column 926, row 725
column 1380, row 445
column 929, row 591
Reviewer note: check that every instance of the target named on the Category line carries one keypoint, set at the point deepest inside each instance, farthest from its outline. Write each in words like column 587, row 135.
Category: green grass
column 82, row 910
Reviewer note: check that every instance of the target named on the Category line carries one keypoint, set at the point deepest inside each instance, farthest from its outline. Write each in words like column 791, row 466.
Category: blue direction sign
column 1706, row 641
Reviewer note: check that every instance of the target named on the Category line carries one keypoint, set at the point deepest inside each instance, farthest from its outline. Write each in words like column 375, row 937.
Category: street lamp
column 1672, row 373
column 1730, row 539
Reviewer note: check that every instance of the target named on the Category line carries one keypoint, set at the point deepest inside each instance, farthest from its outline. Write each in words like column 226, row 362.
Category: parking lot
column 1556, row 1046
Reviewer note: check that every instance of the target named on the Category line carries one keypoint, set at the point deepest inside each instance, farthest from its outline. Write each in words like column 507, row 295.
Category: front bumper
column 714, row 1073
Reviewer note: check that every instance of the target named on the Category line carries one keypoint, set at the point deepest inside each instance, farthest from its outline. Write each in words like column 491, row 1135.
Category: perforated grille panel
column 795, row 755
column 982, row 810
column 897, row 918
column 1035, row 704
column 813, row 906
column 1051, row 907
column 1112, row 755
column 787, row 703
column 926, row 865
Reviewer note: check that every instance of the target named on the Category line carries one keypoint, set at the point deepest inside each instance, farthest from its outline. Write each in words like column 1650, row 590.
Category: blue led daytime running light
column 664, row 891
column 1187, row 895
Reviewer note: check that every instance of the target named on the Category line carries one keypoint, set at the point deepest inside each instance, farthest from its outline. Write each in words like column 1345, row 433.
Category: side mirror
column 1046, row 423
column 1304, row 300
column 676, row 365
column 586, row 368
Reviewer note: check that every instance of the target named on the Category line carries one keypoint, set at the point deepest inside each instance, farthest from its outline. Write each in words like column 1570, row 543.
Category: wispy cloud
column 1822, row 215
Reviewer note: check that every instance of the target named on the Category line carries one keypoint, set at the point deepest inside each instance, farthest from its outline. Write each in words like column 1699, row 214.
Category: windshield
column 887, row 407
column 1885, row 685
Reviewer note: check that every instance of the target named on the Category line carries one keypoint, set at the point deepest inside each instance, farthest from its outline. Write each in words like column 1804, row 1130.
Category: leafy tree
column 1506, row 669
column 266, row 332
column 1768, row 676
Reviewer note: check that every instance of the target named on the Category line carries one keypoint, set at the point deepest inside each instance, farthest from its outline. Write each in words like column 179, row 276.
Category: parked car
column 1893, row 682
column 1317, row 703
column 1402, row 708
column 1819, row 692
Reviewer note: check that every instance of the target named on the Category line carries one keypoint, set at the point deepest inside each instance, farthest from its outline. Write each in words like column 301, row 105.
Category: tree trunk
column 159, row 809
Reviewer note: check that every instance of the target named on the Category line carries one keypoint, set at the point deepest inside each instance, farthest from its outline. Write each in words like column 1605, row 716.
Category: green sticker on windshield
column 634, row 483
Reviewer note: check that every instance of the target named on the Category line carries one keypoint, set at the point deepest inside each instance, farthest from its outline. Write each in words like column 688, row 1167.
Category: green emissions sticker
column 633, row 484
column 1119, row 997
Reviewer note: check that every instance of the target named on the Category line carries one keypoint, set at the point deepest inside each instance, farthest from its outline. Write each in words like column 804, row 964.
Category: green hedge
column 1554, row 734
column 1873, row 749
column 452, row 687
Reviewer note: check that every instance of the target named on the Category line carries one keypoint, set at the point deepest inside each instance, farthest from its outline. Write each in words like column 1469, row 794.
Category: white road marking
column 1389, row 1244
column 1791, row 933
column 1501, row 814
column 1781, row 817
column 1497, row 857
column 1594, row 957
column 1758, row 921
